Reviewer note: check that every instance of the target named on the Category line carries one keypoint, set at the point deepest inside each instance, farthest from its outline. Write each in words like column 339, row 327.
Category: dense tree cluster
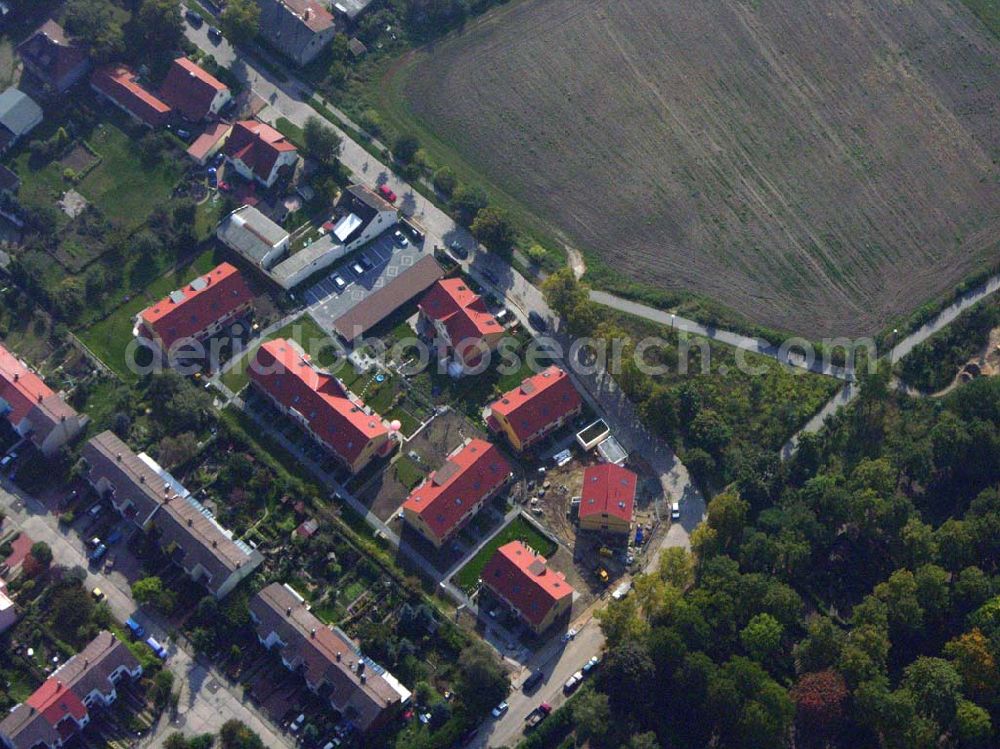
column 850, row 601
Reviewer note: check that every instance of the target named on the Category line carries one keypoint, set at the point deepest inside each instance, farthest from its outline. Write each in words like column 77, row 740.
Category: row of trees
column 851, row 599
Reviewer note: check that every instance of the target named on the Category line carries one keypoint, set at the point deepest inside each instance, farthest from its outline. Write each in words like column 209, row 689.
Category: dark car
column 532, row 682
column 194, row 18
column 491, row 277
column 537, row 321
column 458, row 250
column 214, row 34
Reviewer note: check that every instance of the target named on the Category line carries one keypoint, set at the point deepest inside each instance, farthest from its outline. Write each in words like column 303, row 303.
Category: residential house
column 379, row 304
column 320, row 404
column 192, row 92
column 461, row 324
column 519, row 577
column 33, row 409
column 361, row 217
column 56, row 711
column 8, row 611
column 332, row 664
column 210, row 142
column 537, row 407
column 200, row 310
column 53, row 58
column 19, row 115
column 447, row 499
column 120, row 85
column 299, row 29
column 253, row 235
column 607, row 499
column 153, row 500
column 259, row 152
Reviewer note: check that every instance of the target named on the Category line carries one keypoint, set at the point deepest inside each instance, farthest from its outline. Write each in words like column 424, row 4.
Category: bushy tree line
column 853, row 601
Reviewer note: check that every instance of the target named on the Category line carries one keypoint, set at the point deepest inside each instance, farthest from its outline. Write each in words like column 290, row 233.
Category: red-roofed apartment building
column 33, row 409
column 192, row 92
column 198, row 311
column 607, row 500
column 58, row 709
column 519, row 577
column 450, row 496
column 259, row 152
column 460, row 321
column 538, row 406
column 319, row 403
column 118, row 84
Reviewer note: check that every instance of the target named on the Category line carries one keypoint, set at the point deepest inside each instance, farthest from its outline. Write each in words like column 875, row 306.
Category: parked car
column 339, row 282
column 491, row 276
column 366, row 262
column 215, row 34
column 98, row 554
column 135, row 628
column 400, row 238
column 158, row 650
column 675, row 511
column 95, row 511
column 573, row 682
column 458, row 250
column 297, row 723
column 591, row 665
column 194, row 18
column 7, row 461
column 537, row 322
column 570, row 634
column 536, row 716
column 115, row 536
column 500, row 710
column 358, row 269
column 533, row 681
column 97, row 594
column 386, row 192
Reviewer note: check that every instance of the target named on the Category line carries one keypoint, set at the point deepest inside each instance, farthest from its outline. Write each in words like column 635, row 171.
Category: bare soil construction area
column 820, row 167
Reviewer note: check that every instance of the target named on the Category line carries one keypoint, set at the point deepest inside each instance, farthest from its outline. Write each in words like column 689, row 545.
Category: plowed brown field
column 820, row 166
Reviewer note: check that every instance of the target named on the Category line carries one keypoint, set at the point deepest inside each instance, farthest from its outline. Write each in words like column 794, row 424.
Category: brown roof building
column 143, row 492
column 331, row 663
column 53, row 58
column 60, row 708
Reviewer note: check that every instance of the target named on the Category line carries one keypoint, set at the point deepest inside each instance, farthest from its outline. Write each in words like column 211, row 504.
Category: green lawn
column 121, row 186
column 110, row 337
column 407, row 472
column 308, row 334
column 518, row 530
column 125, row 189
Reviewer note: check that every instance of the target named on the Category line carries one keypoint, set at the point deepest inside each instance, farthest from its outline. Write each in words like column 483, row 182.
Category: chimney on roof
column 361, row 667
column 288, row 611
column 215, row 544
column 312, row 632
column 40, row 397
column 338, row 656
column 17, row 377
column 364, row 679
column 142, row 479
column 190, row 522
column 118, row 457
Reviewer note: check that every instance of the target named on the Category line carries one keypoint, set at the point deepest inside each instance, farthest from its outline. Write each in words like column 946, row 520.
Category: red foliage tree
column 819, row 699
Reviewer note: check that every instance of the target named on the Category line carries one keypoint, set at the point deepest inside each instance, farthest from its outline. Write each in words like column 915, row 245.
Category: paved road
column 207, row 700
column 786, row 354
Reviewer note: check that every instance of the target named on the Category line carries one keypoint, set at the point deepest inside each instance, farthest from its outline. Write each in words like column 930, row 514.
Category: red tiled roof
column 461, row 311
column 19, row 386
column 540, row 400
column 20, row 547
column 610, row 489
column 521, row 577
column 205, row 142
column 118, row 82
column 470, row 474
column 54, row 701
column 52, row 52
column 205, row 300
column 283, row 371
column 190, row 89
column 313, row 14
column 257, row 145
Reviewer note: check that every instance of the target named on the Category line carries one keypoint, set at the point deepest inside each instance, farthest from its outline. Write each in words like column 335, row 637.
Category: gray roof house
column 299, row 29
column 143, row 492
column 19, row 115
column 253, row 235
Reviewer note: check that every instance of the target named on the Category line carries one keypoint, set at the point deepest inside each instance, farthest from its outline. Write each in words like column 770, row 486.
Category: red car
column 387, row 193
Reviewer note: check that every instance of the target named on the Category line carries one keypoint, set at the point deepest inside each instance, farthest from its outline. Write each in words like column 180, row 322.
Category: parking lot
column 386, row 259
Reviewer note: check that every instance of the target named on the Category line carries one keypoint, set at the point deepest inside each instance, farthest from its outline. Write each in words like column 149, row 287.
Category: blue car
column 157, row 648
column 97, row 554
column 115, row 537
column 135, row 628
